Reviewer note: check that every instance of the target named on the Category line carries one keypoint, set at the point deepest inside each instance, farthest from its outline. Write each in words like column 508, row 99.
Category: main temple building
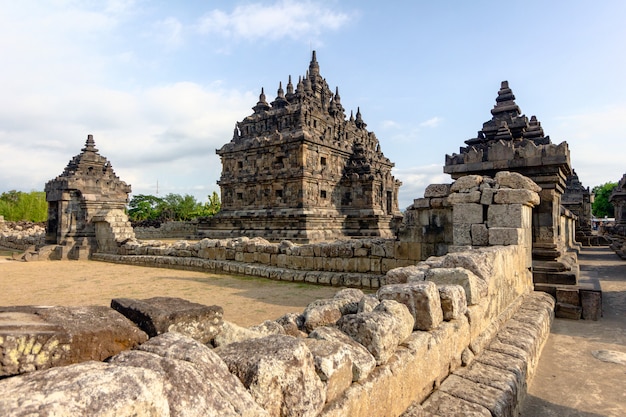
column 299, row 169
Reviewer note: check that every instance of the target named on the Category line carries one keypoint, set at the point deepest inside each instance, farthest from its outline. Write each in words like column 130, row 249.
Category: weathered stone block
column 466, row 184
column 443, row 404
column 592, row 304
column 437, row 190
column 508, row 196
column 567, row 296
column 568, row 311
column 327, row 311
column 470, row 197
column 509, row 215
column 480, row 235
column 486, row 197
column 405, row 274
column 333, row 365
column 475, row 288
column 279, row 372
column 462, row 234
column 516, row 181
column 33, row 338
column 380, row 331
column 497, row 402
column 195, row 379
column 362, row 360
column 159, row 315
column 90, row 388
column 453, row 302
column 421, row 203
column 421, row 299
column 506, row 236
column 467, row 213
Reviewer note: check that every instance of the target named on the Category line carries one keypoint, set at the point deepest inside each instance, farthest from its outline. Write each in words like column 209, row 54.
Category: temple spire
column 262, row 103
column 290, row 93
column 90, row 145
column 359, row 119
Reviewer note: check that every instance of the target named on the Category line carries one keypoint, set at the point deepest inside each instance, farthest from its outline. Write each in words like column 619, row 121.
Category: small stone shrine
column 577, row 199
column 298, row 169
column 86, row 191
column 512, row 142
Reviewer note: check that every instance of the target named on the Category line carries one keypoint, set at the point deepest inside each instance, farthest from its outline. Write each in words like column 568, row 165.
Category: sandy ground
column 246, row 301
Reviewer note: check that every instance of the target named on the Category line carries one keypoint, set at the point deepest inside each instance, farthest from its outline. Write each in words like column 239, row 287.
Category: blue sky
column 161, row 84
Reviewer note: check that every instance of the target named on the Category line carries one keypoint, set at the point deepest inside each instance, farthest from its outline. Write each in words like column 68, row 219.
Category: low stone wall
column 21, row 235
column 437, row 324
column 168, row 230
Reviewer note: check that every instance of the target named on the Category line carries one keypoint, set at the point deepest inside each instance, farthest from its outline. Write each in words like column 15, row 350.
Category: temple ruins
column 298, row 169
column 86, row 196
column 510, row 141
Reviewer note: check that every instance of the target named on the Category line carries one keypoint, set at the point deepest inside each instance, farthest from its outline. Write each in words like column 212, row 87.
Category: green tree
column 601, row 206
column 144, row 207
column 18, row 205
column 212, row 207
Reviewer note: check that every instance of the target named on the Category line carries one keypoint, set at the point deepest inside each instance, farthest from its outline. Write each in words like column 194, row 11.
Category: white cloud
column 390, row 124
column 283, row 19
column 432, row 122
column 596, row 142
column 416, row 179
column 167, row 133
column 169, row 32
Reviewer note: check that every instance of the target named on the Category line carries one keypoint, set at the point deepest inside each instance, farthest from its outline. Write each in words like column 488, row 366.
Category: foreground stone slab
column 279, row 371
column 33, row 338
column 196, row 382
column 89, row 388
column 170, row 375
column 159, row 315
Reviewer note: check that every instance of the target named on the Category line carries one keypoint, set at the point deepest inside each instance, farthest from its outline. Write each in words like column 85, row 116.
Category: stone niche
column 299, row 169
column 87, row 192
column 512, row 142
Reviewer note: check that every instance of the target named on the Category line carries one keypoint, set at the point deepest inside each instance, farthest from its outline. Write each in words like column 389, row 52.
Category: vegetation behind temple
column 20, row 206
column 601, row 206
column 172, row 207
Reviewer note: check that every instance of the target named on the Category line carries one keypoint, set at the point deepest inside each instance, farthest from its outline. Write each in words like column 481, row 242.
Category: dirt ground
column 246, row 301
column 582, row 369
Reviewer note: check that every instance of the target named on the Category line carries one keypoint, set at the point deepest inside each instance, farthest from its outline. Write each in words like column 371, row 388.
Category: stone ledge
column 335, row 279
column 496, row 381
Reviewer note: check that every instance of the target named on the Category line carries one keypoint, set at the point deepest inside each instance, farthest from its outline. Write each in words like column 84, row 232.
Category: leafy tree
column 18, row 205
column 212, row 207
column 172, row 207
column 601, row 206
column 144, row 207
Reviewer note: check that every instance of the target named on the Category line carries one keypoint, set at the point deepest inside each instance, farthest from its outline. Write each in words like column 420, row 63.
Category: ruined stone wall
column 419, row 343
column 168, row 230
column 21, row 235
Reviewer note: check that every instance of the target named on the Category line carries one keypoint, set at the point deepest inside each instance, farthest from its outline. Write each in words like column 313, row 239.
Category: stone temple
column 87, row 195
column 299, row 169
column 510, row 141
